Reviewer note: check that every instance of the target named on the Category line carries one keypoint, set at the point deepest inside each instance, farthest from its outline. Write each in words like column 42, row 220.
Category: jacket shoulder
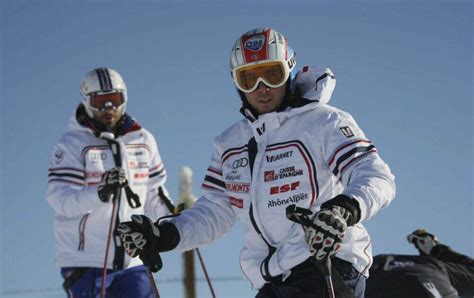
column 328, row 114
column 75, row 139
column 235, row 136
column 239, row 128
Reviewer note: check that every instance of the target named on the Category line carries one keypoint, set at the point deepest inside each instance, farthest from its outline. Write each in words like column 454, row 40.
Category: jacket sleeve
column 211, row 216
column 155, row 206
column 67, row 192
column 355, row 162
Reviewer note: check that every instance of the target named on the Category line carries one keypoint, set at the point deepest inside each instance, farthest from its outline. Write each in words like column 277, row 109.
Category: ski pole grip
column 114, row 146
column 290, row 212
column 299, row 215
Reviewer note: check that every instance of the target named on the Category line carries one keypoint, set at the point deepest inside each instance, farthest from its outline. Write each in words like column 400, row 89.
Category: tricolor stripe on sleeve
column 213, row 180
column 347, row 153
column 66, row 175
column 157, row 171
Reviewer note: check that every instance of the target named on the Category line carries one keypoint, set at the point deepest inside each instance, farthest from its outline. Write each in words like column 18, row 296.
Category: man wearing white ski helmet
column 104, row 96
column 293, row 158
column 103, row 169
column 263, row 67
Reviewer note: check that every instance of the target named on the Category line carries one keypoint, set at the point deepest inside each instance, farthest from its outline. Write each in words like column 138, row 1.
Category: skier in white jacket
column 291, row 148
column 83, row 176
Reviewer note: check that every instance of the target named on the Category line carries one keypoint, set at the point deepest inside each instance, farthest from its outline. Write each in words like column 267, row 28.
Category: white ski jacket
column 81, row 220
column 306, row 156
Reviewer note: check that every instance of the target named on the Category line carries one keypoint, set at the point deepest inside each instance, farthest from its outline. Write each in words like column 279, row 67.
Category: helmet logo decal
column 291, row 62
column 255, row 43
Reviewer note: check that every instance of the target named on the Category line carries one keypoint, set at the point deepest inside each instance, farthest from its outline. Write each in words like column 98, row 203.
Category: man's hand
column 423, row 241
column 111, row 181
column 326, row 233
column 141, row 237
column 138, row 235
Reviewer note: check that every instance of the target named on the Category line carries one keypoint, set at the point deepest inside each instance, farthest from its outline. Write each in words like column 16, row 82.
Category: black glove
column 111, row 181
column 328, row 226
column 141, row 237
column 347, row 207
column 325, row 234
column 423, row 241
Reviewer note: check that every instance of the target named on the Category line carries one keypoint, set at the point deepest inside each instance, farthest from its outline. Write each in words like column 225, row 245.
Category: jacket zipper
column 264, row 270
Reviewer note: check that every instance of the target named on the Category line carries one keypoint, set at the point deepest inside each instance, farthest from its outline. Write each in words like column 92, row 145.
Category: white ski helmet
column 258, row 48
column 102, row 81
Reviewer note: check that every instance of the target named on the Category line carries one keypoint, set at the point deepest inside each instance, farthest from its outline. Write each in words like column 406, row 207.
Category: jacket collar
column 80, row 121
column 314, row 87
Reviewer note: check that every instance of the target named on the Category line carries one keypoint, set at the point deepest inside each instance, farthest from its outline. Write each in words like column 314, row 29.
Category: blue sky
column 404, row 70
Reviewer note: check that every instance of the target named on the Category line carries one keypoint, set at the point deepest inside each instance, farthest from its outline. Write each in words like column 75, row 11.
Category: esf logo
column 255, row 43
column 284, row 188
column 95, row 156
column 240, row 163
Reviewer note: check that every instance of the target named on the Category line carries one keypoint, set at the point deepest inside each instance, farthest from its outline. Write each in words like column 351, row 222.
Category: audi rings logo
column 240, row 163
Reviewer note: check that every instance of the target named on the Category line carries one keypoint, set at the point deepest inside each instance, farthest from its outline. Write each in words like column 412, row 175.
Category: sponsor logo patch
column 346, row 131
column 140, row 175
column 136, row 152
column 58, row 156
column 238, row 187
column 255, row 43
column 272, row 158
column 239, row 203
column 294, row 199
column 269, row 176
column 399, row 264
column 284, row 188
column 96, row 156
column 282, row 174
column 240, row 163
column 94, row 175
column 138, row 165
column 233, row 176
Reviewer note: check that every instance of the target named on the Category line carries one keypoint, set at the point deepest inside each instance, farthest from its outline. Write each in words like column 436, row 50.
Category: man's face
column 109, row 117
column 265, row 99
column 108, row 108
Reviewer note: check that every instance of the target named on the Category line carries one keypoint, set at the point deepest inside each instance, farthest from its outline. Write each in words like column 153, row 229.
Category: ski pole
column 109, row 236
column 115, row 148
column 325, row 267
column 154, row 288
column 208, row 279
column 301, row 216
column 110, row 138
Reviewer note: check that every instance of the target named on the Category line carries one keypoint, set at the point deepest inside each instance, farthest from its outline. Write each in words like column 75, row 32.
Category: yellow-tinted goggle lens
column 272, row 74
